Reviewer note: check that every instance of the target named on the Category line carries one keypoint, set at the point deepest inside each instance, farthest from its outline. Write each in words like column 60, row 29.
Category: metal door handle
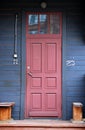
column 30, row 73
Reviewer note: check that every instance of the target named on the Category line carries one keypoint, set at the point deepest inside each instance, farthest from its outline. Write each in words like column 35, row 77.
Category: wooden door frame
column 53, row 36
column 23, row 67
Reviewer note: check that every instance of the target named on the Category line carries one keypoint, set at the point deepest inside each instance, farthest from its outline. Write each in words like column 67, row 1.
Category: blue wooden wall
column 12, row 77
column 9, row 73
column 75, row 50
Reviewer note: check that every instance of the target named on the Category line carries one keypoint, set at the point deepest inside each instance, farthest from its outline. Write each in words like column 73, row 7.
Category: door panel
column 43, row 95
column 36, row 57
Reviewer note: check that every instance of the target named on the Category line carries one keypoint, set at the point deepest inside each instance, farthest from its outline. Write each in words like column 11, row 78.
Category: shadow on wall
column 83, row 97
column 83, row 25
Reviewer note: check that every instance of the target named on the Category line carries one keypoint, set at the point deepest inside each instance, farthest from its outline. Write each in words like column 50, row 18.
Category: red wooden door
column 43, row 74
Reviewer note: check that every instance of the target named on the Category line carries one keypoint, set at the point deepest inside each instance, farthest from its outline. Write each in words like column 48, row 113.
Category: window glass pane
column 43, row 24
column 54, row 24
column 33, row 24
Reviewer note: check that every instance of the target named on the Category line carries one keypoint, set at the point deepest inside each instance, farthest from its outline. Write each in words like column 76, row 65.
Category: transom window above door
column 44, row 23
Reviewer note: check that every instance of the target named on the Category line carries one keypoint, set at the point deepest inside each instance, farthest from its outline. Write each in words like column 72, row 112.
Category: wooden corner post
column 5, row 110
column 77, row 111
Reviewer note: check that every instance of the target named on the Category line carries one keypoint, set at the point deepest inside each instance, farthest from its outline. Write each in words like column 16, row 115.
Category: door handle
column 28, row 71
column 30, row 74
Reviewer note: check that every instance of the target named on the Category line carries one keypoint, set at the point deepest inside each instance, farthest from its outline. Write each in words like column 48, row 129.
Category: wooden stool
column 5, row 110
column 77, row 111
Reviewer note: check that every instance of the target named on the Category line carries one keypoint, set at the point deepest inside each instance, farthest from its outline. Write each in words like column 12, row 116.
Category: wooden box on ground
column 5, row 110
column 77, row 111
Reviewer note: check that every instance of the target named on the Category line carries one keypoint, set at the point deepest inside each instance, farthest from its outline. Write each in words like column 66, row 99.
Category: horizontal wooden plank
column 10, row 75
column 75, row 83
column 5, row 93
column 78, row 74
column 75, row 68
column 9, row 66
column 10, row 97
column 76, row 94
column 6, row 104
column 77, row 58
column 10, row 89
column 11, row 83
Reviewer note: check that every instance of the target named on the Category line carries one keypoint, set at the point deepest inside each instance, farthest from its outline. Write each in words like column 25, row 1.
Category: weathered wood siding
column 12, row 77
column 9, row 73
column 75, row 50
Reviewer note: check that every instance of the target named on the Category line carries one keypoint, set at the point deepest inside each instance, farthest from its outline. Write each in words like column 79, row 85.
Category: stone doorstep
column 75, row 121
column 42, row 123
